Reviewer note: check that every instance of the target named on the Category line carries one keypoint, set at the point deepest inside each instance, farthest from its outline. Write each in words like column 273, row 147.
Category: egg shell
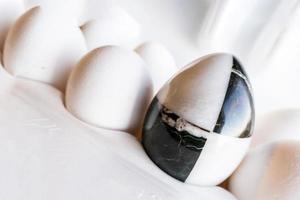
column 10, row 10
column 160, row 62
column 43, row 47
column 110, row 88
column 277, row 126
column 269, row 171
column 116, row 27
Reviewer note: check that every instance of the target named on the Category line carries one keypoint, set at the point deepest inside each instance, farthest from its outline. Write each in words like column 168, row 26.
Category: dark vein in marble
column 170, row 145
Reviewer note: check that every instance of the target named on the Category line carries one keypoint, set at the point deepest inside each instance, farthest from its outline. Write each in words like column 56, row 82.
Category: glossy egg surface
column 198, row 126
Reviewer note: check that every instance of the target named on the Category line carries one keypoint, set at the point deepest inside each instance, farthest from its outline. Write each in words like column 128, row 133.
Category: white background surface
column 37, row 144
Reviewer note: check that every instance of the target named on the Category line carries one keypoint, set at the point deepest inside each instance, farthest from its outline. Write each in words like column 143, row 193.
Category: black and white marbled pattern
column 173, row 139
column 236, row 117
column 174, row 151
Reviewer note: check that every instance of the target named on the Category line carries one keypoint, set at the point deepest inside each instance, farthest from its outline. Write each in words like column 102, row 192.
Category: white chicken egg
column 276, row 126
column 110, row 88
column 269, row 171
column 160, row 62
column 10, row 10
column 116, row 27
column 43, row 47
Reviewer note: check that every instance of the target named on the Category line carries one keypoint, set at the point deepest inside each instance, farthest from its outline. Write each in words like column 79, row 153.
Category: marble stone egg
column 199, row 125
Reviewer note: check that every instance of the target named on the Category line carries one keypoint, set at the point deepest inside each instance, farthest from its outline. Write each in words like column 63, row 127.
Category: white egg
column 116, row 27
column 43, row 47
column 276, row 126
column 10, row 10
column 110, row 88
column 270, row 171
column 65, row 8
column 160, row 62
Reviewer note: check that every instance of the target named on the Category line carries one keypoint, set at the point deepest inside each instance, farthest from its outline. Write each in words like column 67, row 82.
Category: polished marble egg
column 199, row 125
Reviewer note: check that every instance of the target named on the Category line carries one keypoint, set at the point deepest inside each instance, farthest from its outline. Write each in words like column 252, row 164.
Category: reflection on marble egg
column 199, row 125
